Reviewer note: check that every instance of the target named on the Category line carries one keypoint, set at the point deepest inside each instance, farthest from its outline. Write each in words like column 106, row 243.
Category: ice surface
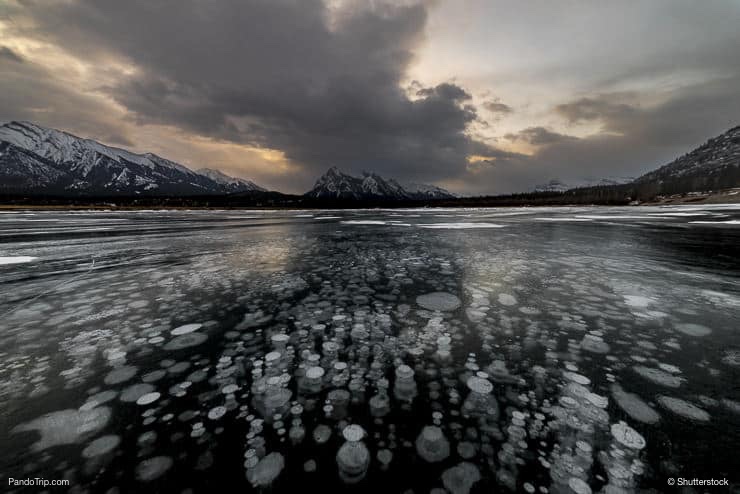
column 203, row 342
column 459, row 226
column 16, row 259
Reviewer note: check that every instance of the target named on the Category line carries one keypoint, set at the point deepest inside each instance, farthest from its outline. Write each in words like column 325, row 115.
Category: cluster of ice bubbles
column 374, row 378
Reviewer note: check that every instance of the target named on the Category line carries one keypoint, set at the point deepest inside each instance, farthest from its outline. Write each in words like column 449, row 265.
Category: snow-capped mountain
column 43, row 160
column 557, row 185
column 337, row 185
column 233, row 184
column 713, row 165
column 430, row 191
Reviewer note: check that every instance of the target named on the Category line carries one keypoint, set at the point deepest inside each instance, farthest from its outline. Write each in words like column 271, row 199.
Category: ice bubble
column 101, row 446
column 309, row 466
column 579, row 486
column 432, row 445
column 576, row 378
column 353, row 433
column 321, row 434
column 230, row 389
column 216, row 413
column 461, row 478
column 479, row 385
column 627, row 436
column 153, row 468
column 66, row 426
column 658, row 376
column 134, row 392
column 315, row 373
column 441, row 301
column 185, row 341
column 353, row 459
column 732, row 358
column 120, row 375
column 266, row 471
column 148, row 398
column 731, row 405
column 186, row 329
column 153, row 376
column 683, row 408
column 634, row 406
column 594, row 344
column 384, row 456
column 597, row 400
column 693, row 329
column 506, row 299
column 98, row 399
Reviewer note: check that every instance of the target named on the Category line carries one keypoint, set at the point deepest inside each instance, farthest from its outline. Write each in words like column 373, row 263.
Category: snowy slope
column 557, row 185
column 718, row 156
column 59, row 162
column 337, row 185
column 234, row 184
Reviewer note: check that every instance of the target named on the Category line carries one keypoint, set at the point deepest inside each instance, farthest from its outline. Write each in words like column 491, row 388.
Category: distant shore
column 726, row 196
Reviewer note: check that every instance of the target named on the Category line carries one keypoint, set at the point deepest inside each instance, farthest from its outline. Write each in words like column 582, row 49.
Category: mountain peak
column 48, row 160
column 335, row 184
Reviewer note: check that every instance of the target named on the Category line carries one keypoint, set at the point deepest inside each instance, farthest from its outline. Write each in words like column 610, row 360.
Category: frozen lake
column 543, row 349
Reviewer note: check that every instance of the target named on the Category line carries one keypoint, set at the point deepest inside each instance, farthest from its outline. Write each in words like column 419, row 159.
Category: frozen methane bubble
column 135, row 391
column 693, row 329
column 266, row 471
column 321, row 434
column 101, row 446
column 353, row 433
column 119, row 375
column 658, row 376
column 186, row 329
column 66, row 426
column 353, row 459
column 579, row 486
column 315, row 373
column 148, row 398
column 479, row 385
column 185, row 341
column 634, row 406
column 627, row 436
column 432, row 444
column 153, row 468
column 683, row 408
column 506, row 299
column 460, row 478
column 441, row 301
column 216, row 413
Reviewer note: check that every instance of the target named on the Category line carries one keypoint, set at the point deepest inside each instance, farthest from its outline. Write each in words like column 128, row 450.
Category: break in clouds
column 328, row 84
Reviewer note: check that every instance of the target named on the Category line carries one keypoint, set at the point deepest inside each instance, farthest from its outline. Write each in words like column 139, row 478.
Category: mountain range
column 36, row 160
column 557, row 185
column 335, row 184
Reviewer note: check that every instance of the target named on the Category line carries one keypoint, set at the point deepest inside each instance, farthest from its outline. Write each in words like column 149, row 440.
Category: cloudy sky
column 479, row 96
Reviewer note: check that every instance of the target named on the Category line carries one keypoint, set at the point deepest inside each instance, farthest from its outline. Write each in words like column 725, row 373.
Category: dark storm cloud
column 33, row 93
column 278, row 74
